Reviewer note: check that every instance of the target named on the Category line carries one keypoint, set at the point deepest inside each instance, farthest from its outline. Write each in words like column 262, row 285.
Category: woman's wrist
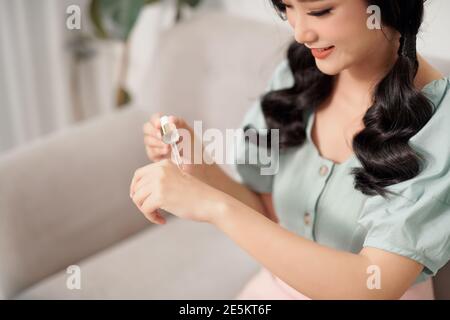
column 220, row 206
column 207, row 173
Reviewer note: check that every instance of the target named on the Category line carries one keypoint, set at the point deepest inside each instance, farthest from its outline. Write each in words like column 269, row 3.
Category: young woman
column 360, row 206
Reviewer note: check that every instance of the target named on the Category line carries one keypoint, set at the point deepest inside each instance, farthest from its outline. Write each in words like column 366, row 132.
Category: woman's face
column 343, row 26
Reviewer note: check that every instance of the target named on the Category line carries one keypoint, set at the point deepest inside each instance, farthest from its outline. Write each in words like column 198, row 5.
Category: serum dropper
column 171, row 136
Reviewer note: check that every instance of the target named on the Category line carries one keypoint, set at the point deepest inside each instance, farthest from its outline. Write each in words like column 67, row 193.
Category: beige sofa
column 64, row 199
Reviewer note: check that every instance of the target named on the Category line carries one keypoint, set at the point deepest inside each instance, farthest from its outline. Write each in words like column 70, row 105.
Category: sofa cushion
column 66, row 196
column 179, row 260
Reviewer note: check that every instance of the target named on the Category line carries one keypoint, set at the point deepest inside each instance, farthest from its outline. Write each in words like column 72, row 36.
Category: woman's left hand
column 163, row 185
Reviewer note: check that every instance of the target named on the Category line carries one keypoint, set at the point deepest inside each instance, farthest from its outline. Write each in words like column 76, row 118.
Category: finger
column 150, row 170
column 156, row 156
column 150, row 130
column 155, row 120
column 160, row 152
column 141, row 194
column 132, row 184
column 142, row 183
column 151, row 141
column 179, row 122
column 155, row 217
column 143, row 188
column 139, row 173
column 149, row 209
column 158, row 217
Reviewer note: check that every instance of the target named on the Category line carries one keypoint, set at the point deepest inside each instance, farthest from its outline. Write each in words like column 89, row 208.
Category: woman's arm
column 317, row 271
column 217, row 178
column 268, row 204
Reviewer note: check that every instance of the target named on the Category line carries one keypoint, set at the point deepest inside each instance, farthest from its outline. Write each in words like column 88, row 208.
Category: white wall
column 435, row 39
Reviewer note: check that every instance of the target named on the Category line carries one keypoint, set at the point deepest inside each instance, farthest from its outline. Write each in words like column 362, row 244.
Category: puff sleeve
column 416, row 222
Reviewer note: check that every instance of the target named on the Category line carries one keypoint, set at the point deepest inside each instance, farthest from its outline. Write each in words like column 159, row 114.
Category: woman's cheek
column 350, row 44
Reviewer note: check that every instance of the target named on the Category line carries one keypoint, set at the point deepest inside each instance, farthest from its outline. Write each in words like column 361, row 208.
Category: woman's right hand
column 157, row 150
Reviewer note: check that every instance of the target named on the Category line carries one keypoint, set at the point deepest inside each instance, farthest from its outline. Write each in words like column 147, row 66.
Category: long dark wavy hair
column 398, row 112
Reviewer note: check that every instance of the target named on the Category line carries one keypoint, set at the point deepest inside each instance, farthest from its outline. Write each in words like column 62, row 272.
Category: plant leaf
column 94, row 12
column 116, row 18
column 122, row 97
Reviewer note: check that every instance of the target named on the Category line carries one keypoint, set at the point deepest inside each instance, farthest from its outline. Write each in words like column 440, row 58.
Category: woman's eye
column 319, row 13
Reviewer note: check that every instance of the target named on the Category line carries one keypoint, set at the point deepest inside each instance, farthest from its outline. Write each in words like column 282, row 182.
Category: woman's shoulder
column 433, row 140
column 438, row 92
column 282, row 76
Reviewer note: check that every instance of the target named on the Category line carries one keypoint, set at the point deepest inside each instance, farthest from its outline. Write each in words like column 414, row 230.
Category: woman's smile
column 322, row 53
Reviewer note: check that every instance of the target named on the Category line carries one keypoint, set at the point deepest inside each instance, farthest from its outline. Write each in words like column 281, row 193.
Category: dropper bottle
column 170, row 136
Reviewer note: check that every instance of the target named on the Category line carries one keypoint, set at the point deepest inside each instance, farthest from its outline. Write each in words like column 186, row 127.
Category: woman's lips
column 322, row 53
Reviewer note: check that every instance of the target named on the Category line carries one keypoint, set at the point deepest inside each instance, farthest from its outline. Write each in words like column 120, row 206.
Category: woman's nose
column 303, row 34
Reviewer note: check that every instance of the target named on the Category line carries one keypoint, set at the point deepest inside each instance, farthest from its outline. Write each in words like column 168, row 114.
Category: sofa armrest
column 66, row 196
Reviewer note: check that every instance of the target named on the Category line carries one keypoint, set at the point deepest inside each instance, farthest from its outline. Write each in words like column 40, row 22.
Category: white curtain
column 42, row 88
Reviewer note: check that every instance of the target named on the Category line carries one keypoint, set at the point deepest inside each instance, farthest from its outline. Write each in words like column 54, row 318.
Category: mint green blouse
column 315, row 197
